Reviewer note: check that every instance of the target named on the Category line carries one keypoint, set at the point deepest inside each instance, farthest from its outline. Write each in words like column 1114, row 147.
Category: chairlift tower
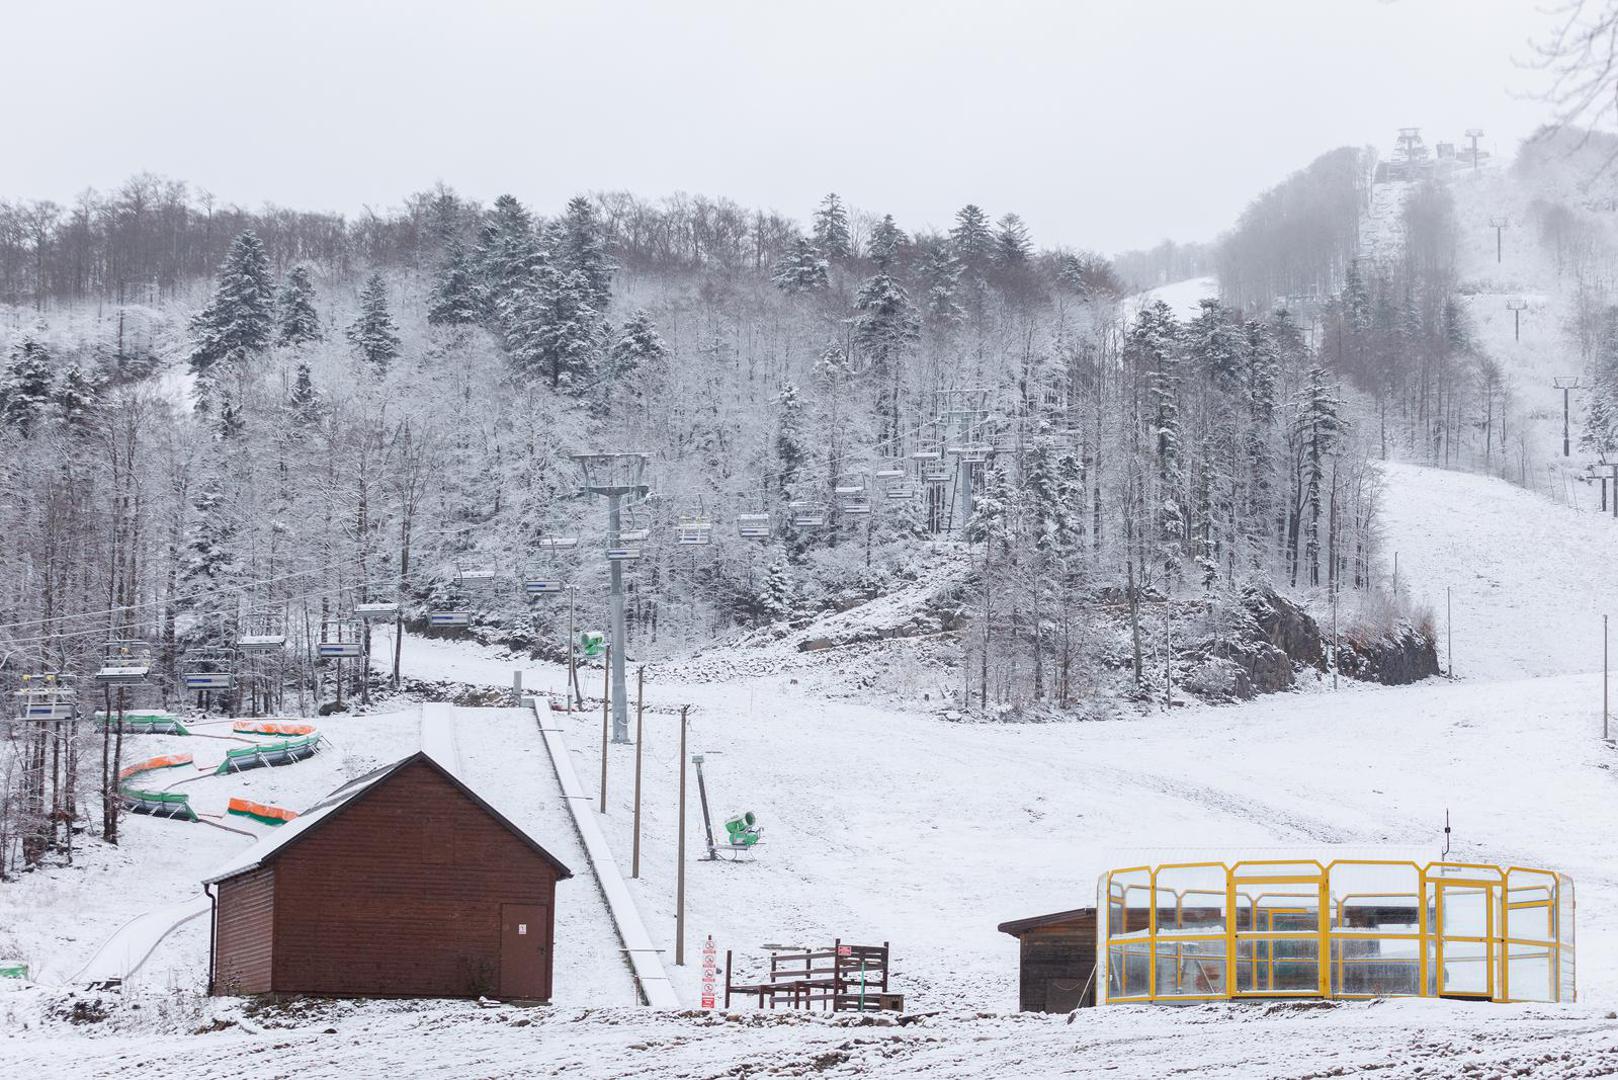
column 616, row 475
column 1567, row 384
column 963, row 415
column 1473, row 135
column 1516, row 305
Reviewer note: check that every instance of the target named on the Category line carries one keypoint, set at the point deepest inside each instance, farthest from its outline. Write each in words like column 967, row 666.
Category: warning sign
column 710, row 972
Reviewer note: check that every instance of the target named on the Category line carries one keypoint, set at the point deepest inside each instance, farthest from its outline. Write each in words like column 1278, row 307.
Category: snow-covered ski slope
column 887, row 824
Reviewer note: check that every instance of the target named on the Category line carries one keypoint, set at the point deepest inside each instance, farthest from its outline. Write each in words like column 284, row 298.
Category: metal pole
column 679, row 860
column 606, row 694
column 702, row 796
column 640, row 744
column 617, row 649
column 572, row 686
column 1566, row 390
column 1603, row 677
column 1334, row 647
column 1449, row 632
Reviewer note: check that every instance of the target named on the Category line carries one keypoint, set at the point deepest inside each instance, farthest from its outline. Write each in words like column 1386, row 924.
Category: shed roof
column 1019, row 927
column 271, row 846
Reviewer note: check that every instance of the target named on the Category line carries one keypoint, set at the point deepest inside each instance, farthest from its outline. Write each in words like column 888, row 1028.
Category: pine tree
column 885, row 325
column 209, row 543
column 791, row 451
column 801, row 268
column 296, row 318
column 555, row 330
column 455, row 300
column 831, row 229
column 971, row 241
column 304, row 400
column 941, row 273
column 1154, row 345
column 1320, row 425
column 584, row 249
column 373, row 334
column 888, row 243
column 1012, row 245
column 778, row 598
column 507, row 257
column 639, row 347
column 25, row 393
column 78, row 398
column 239, row 322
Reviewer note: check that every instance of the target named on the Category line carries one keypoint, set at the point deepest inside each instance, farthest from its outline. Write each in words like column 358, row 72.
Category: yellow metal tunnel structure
column 1189, row 932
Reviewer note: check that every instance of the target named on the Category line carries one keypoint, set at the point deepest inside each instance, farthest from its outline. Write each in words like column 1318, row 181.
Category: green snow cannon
column 592, row 643
column 743, row 829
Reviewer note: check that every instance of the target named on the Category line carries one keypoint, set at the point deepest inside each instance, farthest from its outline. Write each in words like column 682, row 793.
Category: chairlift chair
column 557, row 543
column 125, row 663
column 208, row 669
column 850, row 485
column 892, row 469
column 900, row 489
column 854, row 505
column 261, row 632
column 936, row 472
column 634, row 528
column 693, row 530
column 340, row 639
column 753, row 526
column 46, row 697
column 376, row 609
column 623, row 553
column 536, row 585
column 453, row 618
column 807, row 515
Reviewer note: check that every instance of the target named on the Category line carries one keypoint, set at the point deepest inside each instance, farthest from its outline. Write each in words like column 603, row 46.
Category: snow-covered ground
column 1184, row 298
column 888, row 824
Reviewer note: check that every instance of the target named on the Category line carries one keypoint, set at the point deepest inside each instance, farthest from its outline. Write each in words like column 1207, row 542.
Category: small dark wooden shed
column 401, row 883
column 1058, row 960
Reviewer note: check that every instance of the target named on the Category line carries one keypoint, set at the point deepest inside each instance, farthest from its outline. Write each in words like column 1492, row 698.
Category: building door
column 525, row 952
column 1464, row 953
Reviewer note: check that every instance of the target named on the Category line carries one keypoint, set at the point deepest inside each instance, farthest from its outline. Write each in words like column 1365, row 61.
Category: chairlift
column 454, row 618
column 807, row 515
column 638, row 531
column 901, row 489
column 477, row 577
column 850, row 485
column 340, row 639
column 376, row 609
column 753, row 526
column 543, row 586
column 557, row 543
column 854, row 505
column 46, row 697
column 261, row 632
column 925, row 455
column 125, row 663
column 936, row 472
column 208, row 668
column 892, row 469
column 692, row 530
column 624, row 553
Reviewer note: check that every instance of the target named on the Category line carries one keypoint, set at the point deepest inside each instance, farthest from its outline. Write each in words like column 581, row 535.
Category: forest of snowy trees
column 207, row 413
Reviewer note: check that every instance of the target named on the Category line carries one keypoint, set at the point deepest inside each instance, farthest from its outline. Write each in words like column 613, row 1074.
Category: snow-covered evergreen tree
column 25, row 392
column 583, row 249
column 1013, row 247
column 240, row 320
column 304, row 400
column 791, row 451
column 885, row 327
column 801, row 269
column 831, row 229
column 455, row 300
column 1320, row 425
column 888, row 243
column 778, row 598
column 77, row 398
column 297, row 321
column 374, row 336
column 1154, row 342
column 971, row 241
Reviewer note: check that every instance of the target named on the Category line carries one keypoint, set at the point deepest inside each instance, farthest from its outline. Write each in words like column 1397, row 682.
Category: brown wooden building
column 1058, row 961
column 401, row 883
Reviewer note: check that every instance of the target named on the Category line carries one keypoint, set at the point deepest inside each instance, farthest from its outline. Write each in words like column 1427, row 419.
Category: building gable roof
column 270, row 847
column 1018, row 927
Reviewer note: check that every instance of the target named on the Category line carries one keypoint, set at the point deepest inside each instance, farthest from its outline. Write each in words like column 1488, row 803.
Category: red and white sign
column 710, row 972
column 845, row 950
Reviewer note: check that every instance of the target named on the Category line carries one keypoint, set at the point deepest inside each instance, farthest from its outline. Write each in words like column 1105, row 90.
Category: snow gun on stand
column 742, row 830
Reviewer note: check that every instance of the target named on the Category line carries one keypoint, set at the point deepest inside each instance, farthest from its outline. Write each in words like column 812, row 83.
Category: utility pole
column 572, row 689
column 1603, row 677
column 1449, row 632
column 640, row 744
column 679, row 860
column 1334, row 646
column 1567, row 384
column 606, row 694
column 1499, row 225
column 1516, row 305
column 615, row 475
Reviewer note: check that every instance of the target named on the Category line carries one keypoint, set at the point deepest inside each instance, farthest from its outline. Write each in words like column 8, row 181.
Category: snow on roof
column 256, row 855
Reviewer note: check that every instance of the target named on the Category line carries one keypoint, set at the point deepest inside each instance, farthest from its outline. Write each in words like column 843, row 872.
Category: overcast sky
column 1106, row 125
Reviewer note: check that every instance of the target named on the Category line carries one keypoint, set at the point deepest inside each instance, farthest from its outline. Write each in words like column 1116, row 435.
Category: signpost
column 710, row 972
